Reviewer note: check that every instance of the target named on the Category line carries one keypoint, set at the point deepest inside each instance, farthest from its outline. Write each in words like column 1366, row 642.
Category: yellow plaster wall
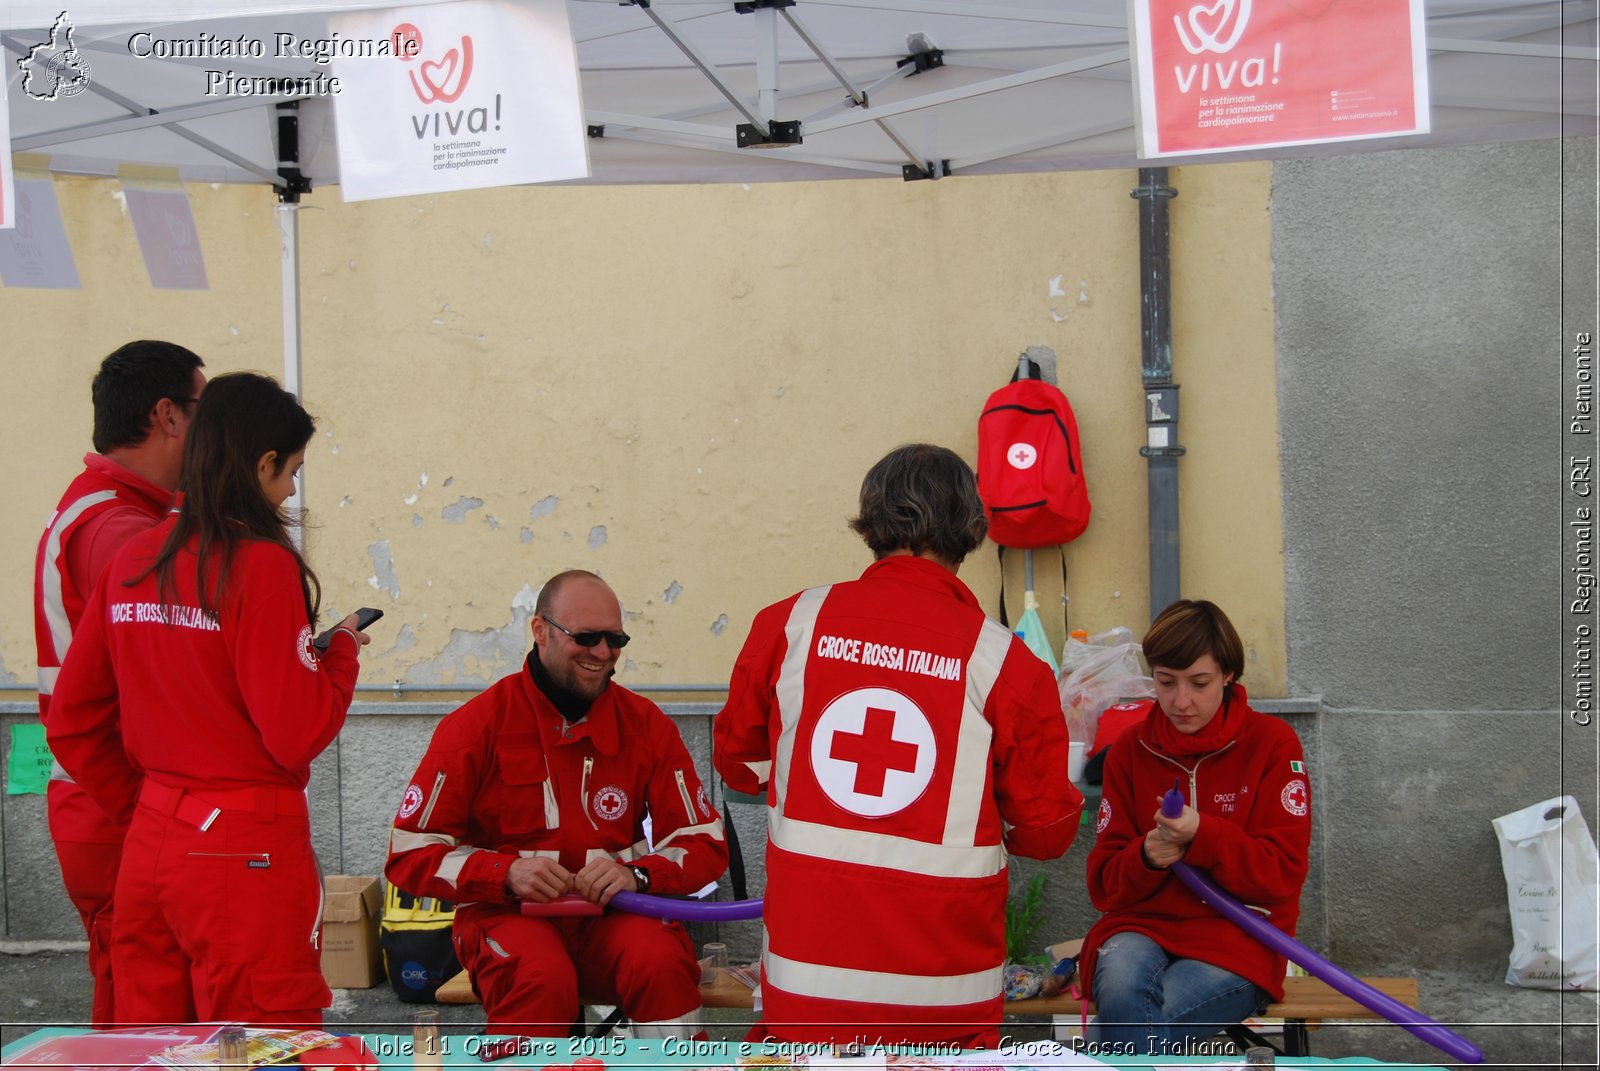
column 681, row 387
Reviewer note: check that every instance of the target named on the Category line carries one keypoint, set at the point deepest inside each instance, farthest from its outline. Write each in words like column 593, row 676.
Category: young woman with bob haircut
column 1165, row 970
column 192, row 703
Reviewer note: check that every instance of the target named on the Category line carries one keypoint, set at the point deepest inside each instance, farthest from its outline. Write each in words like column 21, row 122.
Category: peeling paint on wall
column 544, row 507
column 674, row 589
column 493, row 524
column 1055, row 286
column 482, row 656
column 416, row 520
column 448, row 480
column 719, row 625
column 597, row 537
column 455, row 514
column 404, row 640
column 526, row 535
column 7, row 678
column 345, row 501
column 383, row 576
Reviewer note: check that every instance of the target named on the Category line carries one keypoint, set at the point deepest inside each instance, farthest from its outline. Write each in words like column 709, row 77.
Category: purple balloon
column 1337, row 977
column 666, row 907
column 1172, row 802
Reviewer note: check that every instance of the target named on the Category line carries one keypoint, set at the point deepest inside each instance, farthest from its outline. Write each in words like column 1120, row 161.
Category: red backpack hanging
column 1030, row 467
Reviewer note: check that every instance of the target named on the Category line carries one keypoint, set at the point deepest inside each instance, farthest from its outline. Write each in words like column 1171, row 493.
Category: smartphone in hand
column 365, row 616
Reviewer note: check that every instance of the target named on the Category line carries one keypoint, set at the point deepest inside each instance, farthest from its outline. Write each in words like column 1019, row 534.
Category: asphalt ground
column 1515, row 1028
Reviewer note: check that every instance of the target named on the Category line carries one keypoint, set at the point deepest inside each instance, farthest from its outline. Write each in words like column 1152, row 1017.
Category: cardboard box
column 351, row 908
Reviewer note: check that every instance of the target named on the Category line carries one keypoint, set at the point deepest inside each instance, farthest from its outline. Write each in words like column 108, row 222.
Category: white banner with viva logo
column 467, row 95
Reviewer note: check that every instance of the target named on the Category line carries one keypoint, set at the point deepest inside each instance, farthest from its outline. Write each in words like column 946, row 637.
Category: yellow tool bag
column 417, row 950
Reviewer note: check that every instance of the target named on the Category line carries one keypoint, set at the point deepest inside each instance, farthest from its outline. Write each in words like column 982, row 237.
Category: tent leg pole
column 288, row 217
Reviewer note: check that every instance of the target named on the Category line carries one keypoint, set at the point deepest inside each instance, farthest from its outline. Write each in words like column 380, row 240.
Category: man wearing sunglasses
column 143, row 398
column 536, row 792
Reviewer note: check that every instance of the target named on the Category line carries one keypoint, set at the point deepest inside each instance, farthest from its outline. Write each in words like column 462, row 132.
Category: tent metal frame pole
column 133, row 106
column 724, row 146
column 707, row 68
column 767, row 67
column 975, row 89
column 288, row 217
column 856, row 95
column 103, row 127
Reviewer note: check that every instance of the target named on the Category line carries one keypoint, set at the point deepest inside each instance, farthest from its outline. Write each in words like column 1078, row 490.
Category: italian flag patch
column 1297, row 767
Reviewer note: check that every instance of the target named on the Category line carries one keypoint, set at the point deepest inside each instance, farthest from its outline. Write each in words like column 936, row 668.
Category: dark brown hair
column 131, row 380
column 1187, row 631
column 922, row 498
column 241, row 416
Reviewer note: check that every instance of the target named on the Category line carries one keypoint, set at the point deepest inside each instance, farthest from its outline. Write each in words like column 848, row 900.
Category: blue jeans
column 1160, row 1005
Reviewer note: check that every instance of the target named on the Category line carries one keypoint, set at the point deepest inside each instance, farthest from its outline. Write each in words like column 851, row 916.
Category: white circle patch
column 411, row 802
column 302, row 646
column 1105, row 816
column 610, row 802
column 1021, row 455
column 702, row 802
column 1294, row 797
column 873, row 752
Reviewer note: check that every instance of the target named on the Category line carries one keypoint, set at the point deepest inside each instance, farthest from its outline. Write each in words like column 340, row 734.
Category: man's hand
column 602, row 878
column 538, row 879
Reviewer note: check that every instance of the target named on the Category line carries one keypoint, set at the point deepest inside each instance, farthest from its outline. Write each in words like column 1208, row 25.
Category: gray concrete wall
column 1421, row 350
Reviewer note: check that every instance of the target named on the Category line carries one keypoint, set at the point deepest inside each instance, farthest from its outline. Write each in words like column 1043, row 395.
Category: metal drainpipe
column 1161, row 449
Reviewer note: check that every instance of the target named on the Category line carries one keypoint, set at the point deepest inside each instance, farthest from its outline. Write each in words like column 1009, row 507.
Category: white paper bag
column 1551, row 872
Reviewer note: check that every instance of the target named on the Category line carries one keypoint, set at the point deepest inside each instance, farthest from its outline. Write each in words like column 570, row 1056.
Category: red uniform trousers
column 529, row 971
column 219, row 923
column 89, row 871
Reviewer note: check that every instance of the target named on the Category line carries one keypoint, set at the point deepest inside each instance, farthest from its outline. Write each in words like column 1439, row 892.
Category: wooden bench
column 1306, row 1002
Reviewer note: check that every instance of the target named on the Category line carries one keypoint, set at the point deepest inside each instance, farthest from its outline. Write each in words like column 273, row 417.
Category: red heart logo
column 1207, row 21
column 433, row 79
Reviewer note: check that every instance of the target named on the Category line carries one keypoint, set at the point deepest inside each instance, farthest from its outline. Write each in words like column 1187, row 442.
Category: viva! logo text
column 441, row 81
column 1217, row 29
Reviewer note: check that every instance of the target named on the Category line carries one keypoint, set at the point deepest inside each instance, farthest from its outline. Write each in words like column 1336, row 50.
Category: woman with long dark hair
column 192, row 703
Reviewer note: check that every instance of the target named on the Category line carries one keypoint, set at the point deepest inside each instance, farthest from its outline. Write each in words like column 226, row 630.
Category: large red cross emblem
column 874, row 751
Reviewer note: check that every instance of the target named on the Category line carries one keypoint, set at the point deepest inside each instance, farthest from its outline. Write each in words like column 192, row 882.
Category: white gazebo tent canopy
column 877, row 86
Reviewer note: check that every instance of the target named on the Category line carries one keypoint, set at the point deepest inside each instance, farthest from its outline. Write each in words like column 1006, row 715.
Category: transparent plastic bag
column 1097, row 673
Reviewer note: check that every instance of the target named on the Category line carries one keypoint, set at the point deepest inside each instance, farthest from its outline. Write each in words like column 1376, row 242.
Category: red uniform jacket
column 1254, row 799
column 506, row 775
column 905, row 743
column 194, row 700
column 106, row 504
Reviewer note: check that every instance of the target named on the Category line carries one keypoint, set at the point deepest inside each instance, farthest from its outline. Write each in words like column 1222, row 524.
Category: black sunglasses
column 614, row 640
